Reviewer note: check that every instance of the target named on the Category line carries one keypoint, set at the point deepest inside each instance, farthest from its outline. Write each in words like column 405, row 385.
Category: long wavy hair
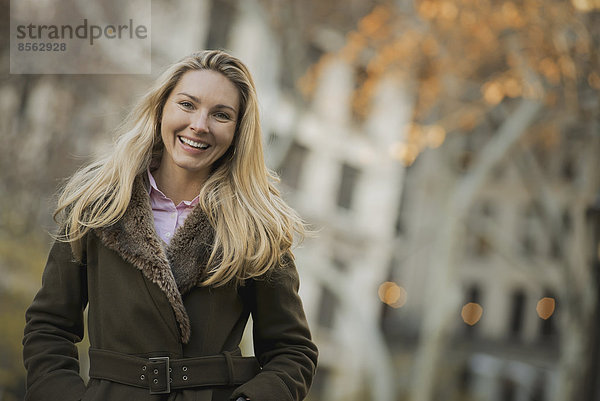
column 254, row 227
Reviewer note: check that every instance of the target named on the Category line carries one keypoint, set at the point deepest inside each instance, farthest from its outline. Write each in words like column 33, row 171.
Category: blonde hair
column 254, row 227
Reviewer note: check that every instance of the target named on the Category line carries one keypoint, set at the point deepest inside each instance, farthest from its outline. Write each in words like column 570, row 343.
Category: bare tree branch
column 443, row 295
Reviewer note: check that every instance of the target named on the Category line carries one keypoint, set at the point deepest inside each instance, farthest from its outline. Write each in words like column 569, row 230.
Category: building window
column 328, row 306
column 568, row 169
column 347, row 186
column 464, row 161
column 517, row 314
column 339, row 264
column 566, row 220
column 538, row 393
column 329, row 302
column 293, row 165
column 488, row 209
column 221, row 20
column 465, row 379
column 508, row 390
column 556, row 250
column 528, row 246
column 472, row 295
column 400, row 225
column 528, row 242
column 482, row 246
column 548, row 326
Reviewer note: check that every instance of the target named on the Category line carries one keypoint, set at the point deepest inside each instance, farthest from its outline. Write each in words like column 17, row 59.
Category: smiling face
column 198, row 124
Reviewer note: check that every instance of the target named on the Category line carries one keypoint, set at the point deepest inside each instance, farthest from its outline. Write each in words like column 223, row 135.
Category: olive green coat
column 144, row 299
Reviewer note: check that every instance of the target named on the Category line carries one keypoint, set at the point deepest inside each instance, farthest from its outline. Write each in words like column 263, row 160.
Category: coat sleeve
column 282, row 339
column 54, row 323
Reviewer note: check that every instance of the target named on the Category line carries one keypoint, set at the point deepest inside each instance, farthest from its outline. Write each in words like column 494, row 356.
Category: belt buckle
column 158, row 372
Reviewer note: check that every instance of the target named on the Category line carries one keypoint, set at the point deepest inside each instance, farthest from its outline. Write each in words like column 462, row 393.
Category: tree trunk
column 443, row 292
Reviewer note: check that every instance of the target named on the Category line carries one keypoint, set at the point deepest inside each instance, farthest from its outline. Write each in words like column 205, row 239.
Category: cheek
column 164, row 128
column 164, row 122
column 172, row 119
column 227, row 142
column 168, row 130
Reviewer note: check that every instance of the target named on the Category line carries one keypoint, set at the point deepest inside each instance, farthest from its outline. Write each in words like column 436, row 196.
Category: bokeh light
column 392, row 294
column 436, row 135
column 471, row 313
column 404, row 152
column 493, row 93
column 545, row 307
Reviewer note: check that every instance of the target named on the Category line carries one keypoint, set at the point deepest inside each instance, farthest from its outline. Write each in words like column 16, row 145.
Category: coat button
column 142, row 377
column 155, row 371
column 144, row 368
column 184, row 368
column 155, row 381
column 184, row 378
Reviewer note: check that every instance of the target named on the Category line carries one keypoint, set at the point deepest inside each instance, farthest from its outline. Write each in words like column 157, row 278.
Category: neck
column 178, row 185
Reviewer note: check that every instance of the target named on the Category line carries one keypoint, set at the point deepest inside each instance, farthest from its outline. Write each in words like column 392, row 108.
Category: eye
column 186, row 105
column 222, row 116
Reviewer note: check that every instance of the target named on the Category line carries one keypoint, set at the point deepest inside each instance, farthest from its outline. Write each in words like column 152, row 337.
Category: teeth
column 194, row 144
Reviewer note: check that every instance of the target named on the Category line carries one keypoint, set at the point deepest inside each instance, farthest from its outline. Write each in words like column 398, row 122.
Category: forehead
column 208, row 86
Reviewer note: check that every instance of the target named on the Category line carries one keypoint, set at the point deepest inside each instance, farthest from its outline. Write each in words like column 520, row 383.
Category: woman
column 169, row 288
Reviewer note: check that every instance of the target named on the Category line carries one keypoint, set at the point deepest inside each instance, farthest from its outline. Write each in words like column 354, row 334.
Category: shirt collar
column 154, row 191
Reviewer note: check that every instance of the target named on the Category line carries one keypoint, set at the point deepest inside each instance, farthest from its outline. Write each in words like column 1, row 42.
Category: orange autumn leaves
column 460, row 59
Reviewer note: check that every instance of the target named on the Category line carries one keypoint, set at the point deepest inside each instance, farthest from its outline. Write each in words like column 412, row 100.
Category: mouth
column 193, row 144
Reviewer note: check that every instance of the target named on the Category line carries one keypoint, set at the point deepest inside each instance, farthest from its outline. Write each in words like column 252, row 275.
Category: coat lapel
column 190, row 249
column 175, row 270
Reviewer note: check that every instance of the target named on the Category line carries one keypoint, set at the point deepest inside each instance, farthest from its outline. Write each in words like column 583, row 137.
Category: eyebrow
column 195, row 99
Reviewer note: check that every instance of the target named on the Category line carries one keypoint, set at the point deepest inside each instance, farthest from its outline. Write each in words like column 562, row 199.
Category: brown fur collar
column 176, row 268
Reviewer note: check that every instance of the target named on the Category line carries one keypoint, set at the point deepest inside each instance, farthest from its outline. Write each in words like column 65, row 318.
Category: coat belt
column 162, row 374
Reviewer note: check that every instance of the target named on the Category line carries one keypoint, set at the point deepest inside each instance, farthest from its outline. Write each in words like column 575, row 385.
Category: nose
column 199, row 122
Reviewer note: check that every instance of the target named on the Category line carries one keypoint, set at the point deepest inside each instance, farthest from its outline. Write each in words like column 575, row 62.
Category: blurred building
column 366, row 274
column 379, row 222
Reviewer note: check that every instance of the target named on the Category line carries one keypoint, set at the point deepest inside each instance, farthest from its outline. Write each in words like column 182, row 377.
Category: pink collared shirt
column 167, row 216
